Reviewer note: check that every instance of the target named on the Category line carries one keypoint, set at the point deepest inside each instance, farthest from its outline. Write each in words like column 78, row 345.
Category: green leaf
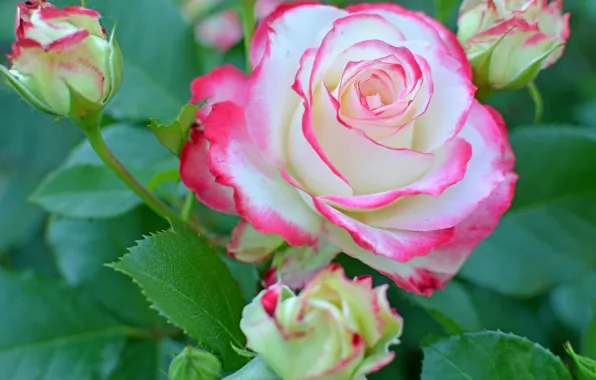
column 489, row 355
column 85, row 188
column 36, row 255
column 495, row 311
column 145, row 359
column 585, row 368
column 546, row 238
column 172, row 175
column 451, row 307
column 160, row 57
column 82, row 247
column 246, row 275
column 51, row 332
column 256, row 369
column 173, row 135
column 85, row 192
column 30, row 146
column 444, row 9
column 589, row 340
column 189, row 284
column 195, row 364
column 575, row 302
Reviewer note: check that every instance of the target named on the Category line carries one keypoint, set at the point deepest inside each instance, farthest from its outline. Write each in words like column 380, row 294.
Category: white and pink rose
column 358, row 126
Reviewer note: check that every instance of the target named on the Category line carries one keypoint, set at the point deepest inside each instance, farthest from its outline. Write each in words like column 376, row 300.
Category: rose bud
column 508, row 42
column 223, row 30
column 335, row 329
column 194, row 364
column 62, row 62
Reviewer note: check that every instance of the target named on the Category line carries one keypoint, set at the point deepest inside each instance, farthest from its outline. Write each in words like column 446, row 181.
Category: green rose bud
column 62, row 62
column 508, row 42
column 335, row 329
column 195, row 364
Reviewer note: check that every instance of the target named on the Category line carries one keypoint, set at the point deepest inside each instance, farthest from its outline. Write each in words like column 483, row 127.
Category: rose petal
column 301, row 264
column 448, row 167
column 194, row 172
column 451, row 100
column 368, row 167
column 417, row 26
column 250, row 246
column 224, row 83
column 484, row 172
column 261, row 195
column 270, row 104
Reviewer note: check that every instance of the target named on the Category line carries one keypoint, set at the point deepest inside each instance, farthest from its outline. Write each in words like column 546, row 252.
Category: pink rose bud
column 508, row 42
column 223, row 30
column 62, row 62
column 335, row 329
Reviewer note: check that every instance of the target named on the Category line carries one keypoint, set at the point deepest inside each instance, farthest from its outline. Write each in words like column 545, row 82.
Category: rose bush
column 359, row 125
column 335, row 329
column 508, row 42
column 61, row 54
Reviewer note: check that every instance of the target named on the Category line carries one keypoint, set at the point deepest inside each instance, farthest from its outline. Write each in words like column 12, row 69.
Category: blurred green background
column 535, row 276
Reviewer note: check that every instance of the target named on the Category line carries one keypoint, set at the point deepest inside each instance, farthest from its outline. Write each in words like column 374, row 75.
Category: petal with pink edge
column 261, row 195
column 367, row 166
column 349, row 31
column 451, row 100
column 484, row 172
column 448, row 167
column 250, row 246
column 270, row 104
column 194, row 172
column 225, row 83
column 425, row 274
column 418, row 26
column 297, row 12
column 392, row 244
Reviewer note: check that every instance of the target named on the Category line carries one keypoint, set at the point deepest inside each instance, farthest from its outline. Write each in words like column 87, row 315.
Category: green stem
column 188, row 204
column 248, row 26
column 539, row 104
column 91, row 128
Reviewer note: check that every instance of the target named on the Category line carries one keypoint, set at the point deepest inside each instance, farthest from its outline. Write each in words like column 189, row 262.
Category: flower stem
column 188, row 204
column 539, row 104
column 91, row 128
column 248, row 26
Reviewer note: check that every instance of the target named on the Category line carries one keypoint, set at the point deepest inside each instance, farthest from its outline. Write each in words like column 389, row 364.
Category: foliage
column 63, row 216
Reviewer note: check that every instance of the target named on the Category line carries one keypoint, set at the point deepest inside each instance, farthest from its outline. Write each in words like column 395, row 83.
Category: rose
column 359, row 125
column 62, row 62
column 508, row 42
column 335, row 329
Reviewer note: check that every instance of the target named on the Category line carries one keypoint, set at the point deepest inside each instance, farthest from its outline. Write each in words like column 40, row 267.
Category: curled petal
column 195, row 174
column 270, row 104
column 300, row 264
column 261, row 195
column 485, row 170
column 225, row 83
column 250, row 246
column 417, row 26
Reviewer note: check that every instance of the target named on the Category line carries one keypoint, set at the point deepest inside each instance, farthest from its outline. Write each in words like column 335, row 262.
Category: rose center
column 376, row 91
